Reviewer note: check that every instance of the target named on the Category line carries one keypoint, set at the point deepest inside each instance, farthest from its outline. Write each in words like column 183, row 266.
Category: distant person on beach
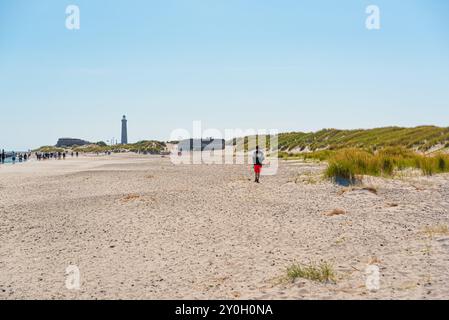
column 258, row 159
column 3, row 156
column 77, row 154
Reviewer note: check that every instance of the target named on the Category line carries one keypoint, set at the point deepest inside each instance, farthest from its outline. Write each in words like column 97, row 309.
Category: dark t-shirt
column 257, row 159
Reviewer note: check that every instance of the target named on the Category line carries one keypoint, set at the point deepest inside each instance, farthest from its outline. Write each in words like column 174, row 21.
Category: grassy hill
column 375, row 152
column 421, row 139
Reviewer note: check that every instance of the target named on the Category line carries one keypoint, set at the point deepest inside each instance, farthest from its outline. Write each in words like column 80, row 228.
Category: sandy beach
column 140, row 227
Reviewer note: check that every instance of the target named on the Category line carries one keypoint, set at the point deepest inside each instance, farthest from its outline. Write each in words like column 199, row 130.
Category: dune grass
column 422, row 138
column 149, row 146
column 386, row 162
column 349, row 163
column 316, row 155
column 49, row 149
column 323, row 272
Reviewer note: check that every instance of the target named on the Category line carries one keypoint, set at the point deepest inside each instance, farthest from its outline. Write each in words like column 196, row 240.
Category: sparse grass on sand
column 438, row 230
column 322, row 272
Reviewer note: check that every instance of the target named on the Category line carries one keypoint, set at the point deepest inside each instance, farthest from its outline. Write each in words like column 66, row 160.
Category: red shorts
column 257, row 168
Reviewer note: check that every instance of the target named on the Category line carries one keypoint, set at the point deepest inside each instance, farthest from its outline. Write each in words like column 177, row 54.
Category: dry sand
column 141, row 227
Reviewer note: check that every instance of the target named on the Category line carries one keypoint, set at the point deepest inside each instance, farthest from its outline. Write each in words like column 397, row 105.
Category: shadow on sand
column 345, row 182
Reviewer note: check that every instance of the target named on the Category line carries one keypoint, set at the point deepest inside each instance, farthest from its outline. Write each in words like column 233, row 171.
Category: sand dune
column 143, row 228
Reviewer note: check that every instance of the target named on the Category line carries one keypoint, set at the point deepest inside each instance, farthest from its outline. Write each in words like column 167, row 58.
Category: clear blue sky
column 284, row 64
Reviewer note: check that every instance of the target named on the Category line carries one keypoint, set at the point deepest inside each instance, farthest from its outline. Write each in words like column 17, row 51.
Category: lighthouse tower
column 124, row 130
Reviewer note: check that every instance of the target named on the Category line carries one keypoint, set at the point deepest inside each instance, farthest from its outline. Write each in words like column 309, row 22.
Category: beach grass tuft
column 322, row 272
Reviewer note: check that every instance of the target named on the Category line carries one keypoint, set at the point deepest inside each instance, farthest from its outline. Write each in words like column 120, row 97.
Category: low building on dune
column 208, row 144
column 70, row 142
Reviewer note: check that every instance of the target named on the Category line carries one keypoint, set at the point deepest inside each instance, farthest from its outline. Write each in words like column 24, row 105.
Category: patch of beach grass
column 340, row 240
column 350, row 163
column 322, row 272
column 438, row 230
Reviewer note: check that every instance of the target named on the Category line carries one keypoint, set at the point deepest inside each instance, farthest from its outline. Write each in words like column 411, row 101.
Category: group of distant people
column 258, row 158
column 25, row 156
column 14, row 156
column 54, row 155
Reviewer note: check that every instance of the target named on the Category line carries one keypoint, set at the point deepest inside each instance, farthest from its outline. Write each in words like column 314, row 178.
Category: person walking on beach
column 258, row 158
column 2, row 158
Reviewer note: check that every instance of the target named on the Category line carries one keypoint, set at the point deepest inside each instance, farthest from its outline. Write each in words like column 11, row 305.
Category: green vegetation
column 349, row 163
column 375, row 152
column 317, row 155
column 48, row 149
column 420, row 138
column 149, row 146
column 323, row 272
column 322, row 144
column 242, row 143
